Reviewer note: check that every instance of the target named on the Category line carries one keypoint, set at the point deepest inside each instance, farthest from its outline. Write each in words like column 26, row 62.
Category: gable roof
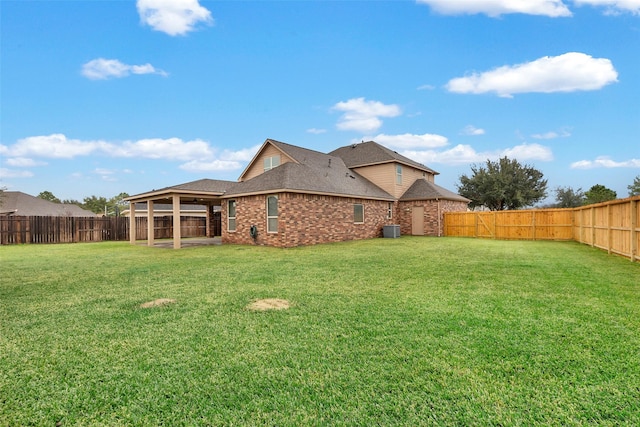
column 311, row 172
column 371, row 153
column 425, row 190
column 19, row 203
column 207, row 187
column 297, row 154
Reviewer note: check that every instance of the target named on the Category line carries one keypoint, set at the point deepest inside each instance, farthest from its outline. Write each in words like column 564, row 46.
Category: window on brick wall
column 390, row 210
column 272, row 214
column 271, row 162
column 231, row 215
column 358, row 213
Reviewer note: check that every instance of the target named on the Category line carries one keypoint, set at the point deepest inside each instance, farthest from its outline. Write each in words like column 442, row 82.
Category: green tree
column 72, row 202
column 503, row 184
column 567, row 197
column 48, row 195
column 634, row 189
column 95, row 204
column 598, row 194
column 117, row 203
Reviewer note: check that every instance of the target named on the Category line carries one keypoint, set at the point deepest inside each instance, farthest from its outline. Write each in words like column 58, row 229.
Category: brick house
column 291, row 196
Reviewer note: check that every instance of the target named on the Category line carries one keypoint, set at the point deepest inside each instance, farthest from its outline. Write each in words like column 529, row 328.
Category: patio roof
column 194, row 192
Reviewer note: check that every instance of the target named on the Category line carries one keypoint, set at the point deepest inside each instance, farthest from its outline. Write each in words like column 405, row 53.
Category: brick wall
column 305, row 219
column 433, row 215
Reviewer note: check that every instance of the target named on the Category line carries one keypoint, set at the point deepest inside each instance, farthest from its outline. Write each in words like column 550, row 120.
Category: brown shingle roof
column 207, row 185
column 425, row 190
column 315, row 173
column 19, row 203
column 372, row 153
column 215, row 187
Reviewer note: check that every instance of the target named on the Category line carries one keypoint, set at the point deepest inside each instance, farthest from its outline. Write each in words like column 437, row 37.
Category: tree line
column 506, row 184
column 100, row 205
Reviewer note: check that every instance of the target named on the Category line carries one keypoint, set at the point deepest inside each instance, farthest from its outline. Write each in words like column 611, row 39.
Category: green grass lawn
column 409, row 331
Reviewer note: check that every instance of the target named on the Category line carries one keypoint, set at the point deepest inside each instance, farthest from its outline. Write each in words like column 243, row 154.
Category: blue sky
column 103, row 97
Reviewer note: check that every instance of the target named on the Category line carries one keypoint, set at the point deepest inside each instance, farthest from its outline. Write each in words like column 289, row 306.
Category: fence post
column 475, row 233
column 533, row 221
column 495, row 231
column 609, row 228
column 593, row 226
column 634, row 229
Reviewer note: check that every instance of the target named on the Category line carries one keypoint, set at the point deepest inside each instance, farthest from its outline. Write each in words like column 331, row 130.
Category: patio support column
column 208, row 220
column 176, row 221
column 132, row 223
column 150, row 224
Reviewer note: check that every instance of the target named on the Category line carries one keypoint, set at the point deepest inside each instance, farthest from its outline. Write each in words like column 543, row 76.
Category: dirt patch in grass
column 269, row 304
column 160, row 302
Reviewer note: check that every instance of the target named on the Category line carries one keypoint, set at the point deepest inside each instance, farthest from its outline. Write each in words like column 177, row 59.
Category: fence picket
column 47, row 229
column 611, row 226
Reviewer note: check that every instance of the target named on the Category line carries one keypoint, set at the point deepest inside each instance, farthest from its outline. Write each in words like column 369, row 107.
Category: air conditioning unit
column 391, row 231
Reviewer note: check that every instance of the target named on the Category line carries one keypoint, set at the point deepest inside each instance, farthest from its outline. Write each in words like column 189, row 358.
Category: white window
column 271, row 162
column 272, row 214
column 231, row 215
column 399, row 174
column 358, row 213
column 390, row 210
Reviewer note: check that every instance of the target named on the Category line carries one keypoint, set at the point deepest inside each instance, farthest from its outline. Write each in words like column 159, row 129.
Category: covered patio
column 207, row 192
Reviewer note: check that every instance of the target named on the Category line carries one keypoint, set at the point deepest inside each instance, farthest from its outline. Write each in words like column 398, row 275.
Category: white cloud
column 173, row 17
column 605, row 162
column 167, row 149
column 56, row 146
column 426, row 87
column 316, row 131
column 106, row 174
column 495, row 8
column 240, row 155
column 613, row 6
column 210, row 166
column 471, row 130
column 197, row 154
column 465, row 154
column 552, row 134
column 569, row 72
column 102, row 69
column 12, row 173
column 362, row 115
column 528, row 152
column 23, row 162
column 102, row 171
column 407, row 140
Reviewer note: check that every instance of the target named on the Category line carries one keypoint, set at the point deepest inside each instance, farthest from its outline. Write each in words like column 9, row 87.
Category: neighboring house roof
column 425, row 190
column 371, row 153
column 19, row 203
column 311, row 172
column 211, row 187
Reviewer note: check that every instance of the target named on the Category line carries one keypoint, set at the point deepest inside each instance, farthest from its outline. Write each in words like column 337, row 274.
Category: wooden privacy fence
column 612, row 226
column 48, row 229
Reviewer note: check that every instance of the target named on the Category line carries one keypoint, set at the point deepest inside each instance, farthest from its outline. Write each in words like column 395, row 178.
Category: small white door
column 417, row 221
